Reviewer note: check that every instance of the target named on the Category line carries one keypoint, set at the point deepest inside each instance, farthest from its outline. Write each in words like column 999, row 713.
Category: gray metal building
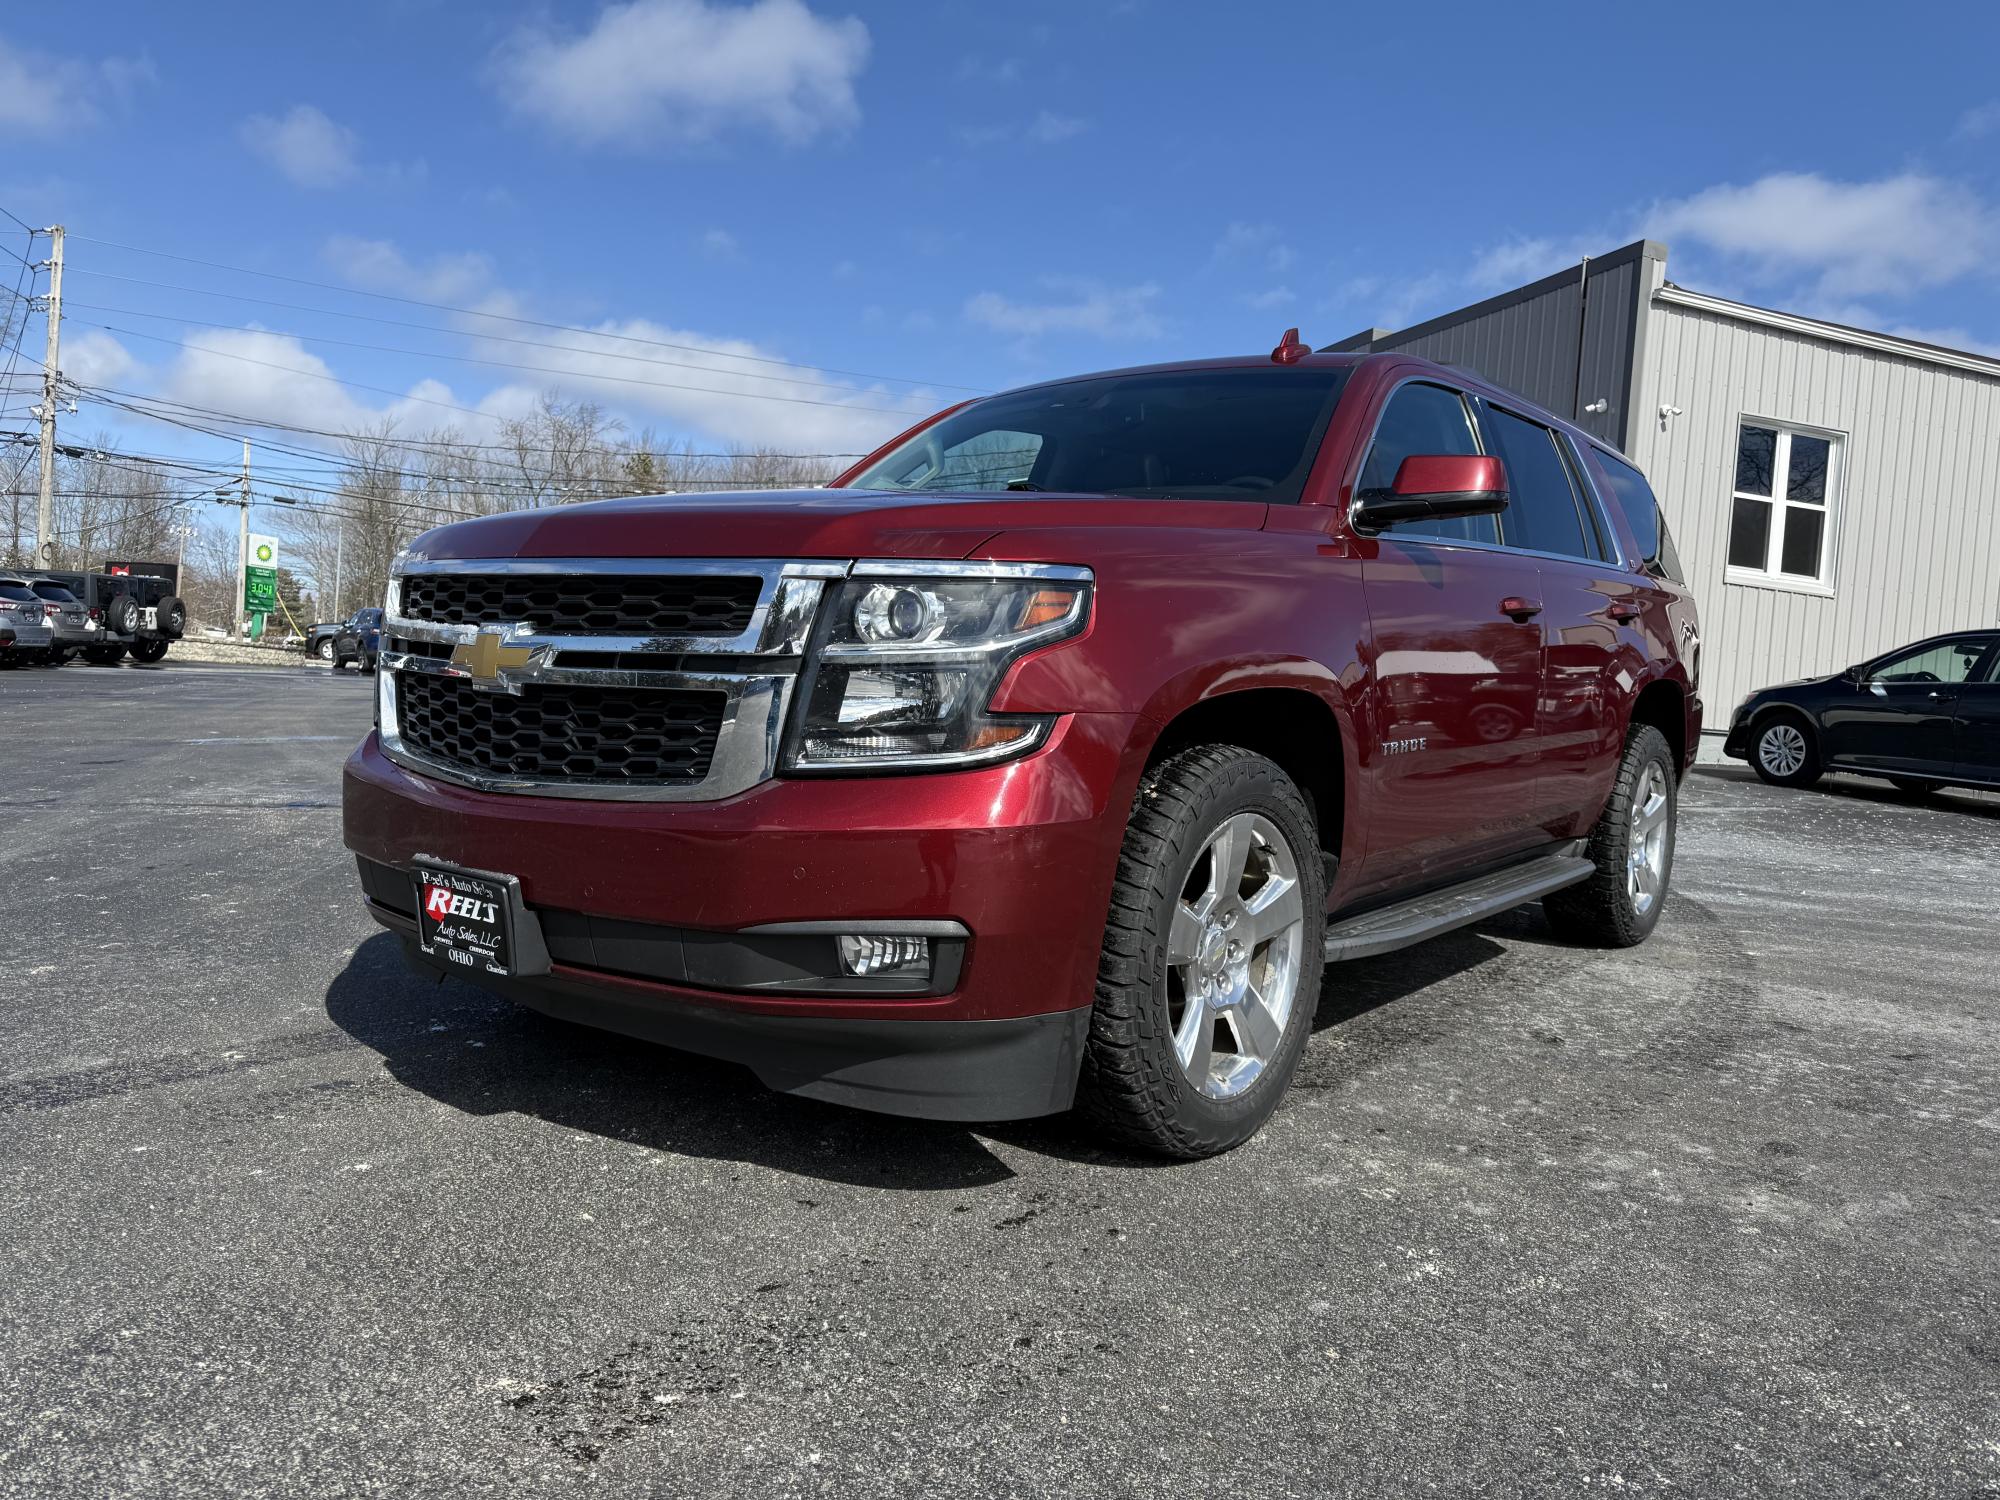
column 1834, row 492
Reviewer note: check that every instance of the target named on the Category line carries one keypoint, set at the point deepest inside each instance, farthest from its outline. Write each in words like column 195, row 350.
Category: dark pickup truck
column 1050, row 757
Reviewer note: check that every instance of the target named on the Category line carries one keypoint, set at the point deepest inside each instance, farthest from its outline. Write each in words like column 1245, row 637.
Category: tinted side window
column 1541, row 513
column 1953, row 663
column 1642, row 513
column 1425, row 419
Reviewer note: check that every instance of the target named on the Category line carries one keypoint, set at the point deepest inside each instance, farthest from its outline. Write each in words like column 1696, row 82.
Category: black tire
column 1771, row 767
column 1133, row 1087
column 121, row 615
column 48, row 657
column 170, row 617
column 149, row 650
column 10, row 658
column 1606, row 910
column 323, row 648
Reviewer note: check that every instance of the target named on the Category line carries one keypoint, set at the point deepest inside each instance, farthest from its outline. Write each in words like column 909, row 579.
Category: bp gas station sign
column 260, row 576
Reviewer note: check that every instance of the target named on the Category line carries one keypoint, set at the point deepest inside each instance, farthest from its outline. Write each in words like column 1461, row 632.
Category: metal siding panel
column 1917, row 522
column 1528, row 347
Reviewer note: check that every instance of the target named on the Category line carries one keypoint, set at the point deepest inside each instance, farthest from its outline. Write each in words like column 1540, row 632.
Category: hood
column 800, row 523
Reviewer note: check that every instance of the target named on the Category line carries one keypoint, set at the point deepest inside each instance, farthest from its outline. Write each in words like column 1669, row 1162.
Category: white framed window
column 1781, row 520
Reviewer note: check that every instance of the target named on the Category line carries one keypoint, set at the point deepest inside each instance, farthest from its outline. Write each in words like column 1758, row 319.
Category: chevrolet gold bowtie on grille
column 483, row 656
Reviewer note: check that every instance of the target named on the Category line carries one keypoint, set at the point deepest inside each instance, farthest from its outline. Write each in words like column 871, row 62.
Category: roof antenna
column 1290, row 351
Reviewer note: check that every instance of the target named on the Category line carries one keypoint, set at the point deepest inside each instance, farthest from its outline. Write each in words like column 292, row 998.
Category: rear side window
column 1425, row 419
column 1542, row 513
column 1642, row 513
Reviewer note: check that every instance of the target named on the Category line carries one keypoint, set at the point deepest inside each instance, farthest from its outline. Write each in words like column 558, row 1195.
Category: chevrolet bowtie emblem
column 483, row 656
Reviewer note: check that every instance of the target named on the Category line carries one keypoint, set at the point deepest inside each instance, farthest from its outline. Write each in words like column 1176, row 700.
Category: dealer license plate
column 467, row 920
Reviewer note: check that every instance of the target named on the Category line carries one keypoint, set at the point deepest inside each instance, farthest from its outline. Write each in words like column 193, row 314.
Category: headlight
column 902, row 668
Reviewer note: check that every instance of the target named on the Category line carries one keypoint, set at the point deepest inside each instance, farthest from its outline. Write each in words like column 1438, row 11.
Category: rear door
column 1978, row 720
column 1589, row 599
column 1902, row 715
column 1452, row 757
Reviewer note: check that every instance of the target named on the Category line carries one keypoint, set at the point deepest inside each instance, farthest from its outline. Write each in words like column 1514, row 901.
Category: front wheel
column 1784, row 754
column 1632, row 847
column 1213, row 950
column 324, row 650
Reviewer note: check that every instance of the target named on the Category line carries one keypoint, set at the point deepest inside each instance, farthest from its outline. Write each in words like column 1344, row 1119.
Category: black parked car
column 1923, row 716
column 359, row 640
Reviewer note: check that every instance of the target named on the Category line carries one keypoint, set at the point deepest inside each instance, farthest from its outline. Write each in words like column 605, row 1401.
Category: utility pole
column 243, row 541
column 45, row 540
column 339, row 555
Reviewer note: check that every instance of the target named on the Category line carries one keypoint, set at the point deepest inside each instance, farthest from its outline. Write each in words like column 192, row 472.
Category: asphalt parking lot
column 1718, row 1215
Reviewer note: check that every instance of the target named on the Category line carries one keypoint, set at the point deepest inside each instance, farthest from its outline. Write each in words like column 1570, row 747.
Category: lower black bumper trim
column 1012, row 1069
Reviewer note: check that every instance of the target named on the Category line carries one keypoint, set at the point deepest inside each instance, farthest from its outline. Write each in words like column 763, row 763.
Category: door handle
column 1622, row 609
column 1938, row 697
column 1520, row 610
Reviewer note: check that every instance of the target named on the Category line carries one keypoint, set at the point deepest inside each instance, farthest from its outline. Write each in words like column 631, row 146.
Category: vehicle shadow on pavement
column 481, row 1055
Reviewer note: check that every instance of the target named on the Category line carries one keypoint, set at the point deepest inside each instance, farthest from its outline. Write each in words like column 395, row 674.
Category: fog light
column 863, row 956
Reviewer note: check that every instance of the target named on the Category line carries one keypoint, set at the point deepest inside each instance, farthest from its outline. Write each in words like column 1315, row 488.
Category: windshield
column 16, row 591
column 55, row 593
column 1222, row 434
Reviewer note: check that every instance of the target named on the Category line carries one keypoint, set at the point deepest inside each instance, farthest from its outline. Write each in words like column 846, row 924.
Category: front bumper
column 1736, row 744
column 1020, row 855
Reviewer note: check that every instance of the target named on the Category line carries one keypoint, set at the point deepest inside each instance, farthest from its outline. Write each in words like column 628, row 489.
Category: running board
column 1392, row 927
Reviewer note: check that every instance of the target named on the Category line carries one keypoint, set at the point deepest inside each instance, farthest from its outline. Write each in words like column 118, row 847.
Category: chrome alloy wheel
column 1233, row 953
column 1781, row 749
column 1646, row 858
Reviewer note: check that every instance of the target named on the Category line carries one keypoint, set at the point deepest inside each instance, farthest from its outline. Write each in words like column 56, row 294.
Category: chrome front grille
column 658, row 679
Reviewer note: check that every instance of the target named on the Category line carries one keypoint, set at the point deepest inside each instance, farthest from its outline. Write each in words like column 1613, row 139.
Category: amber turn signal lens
column 1046, row 607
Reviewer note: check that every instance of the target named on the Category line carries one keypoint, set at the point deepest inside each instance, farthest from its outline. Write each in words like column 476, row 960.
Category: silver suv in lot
column 67, row 618
column 23, row 636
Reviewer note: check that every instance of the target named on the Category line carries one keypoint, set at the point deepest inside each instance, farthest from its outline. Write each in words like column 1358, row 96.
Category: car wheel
column 1632, row 850
column 122, row 614
column 1213, row 951
column 170, row 617
column 149, row 650
column 324, row 650
column 1784, row 752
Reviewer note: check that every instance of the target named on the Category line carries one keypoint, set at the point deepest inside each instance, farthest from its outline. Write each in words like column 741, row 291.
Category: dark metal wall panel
column 1527, row 346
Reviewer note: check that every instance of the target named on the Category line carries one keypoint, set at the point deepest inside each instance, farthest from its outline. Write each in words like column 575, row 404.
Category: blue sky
column 941, row 195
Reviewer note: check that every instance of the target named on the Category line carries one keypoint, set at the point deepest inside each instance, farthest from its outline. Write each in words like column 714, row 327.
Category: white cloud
column 1089, row 308
column 1051, row 129
column 273, row 377
column 1046, row 129
column 1895, row 235
column 1256, row 244
column 93, row 357
column 1267, row 301
column 1519, row 261
column 1978, row 122
column 724, row 395
column 379, row 266
column 720, row 244
column 42, row 94
column 307, row 146
column 665, row 72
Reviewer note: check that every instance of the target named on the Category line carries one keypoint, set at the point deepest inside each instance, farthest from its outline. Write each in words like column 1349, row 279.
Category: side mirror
column 1435, row 487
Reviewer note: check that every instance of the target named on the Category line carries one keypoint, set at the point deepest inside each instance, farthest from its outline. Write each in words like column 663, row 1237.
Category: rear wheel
column 1784, row 752
column 149, row 650
column 1632, row 847
column 1212, row 956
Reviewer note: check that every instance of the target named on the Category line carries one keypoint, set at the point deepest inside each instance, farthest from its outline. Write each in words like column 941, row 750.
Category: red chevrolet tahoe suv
column 1048, row 756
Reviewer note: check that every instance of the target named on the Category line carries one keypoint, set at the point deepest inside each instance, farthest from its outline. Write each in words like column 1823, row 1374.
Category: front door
column 1979, row 721
column 1451, row 761
column 1900, row 716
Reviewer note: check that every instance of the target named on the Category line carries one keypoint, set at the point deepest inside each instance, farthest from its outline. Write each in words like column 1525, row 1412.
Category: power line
column 473, row 312
column 502, row 338
column 416, row 442
column 379, row 390
column 32, row 231
column 498, row 364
